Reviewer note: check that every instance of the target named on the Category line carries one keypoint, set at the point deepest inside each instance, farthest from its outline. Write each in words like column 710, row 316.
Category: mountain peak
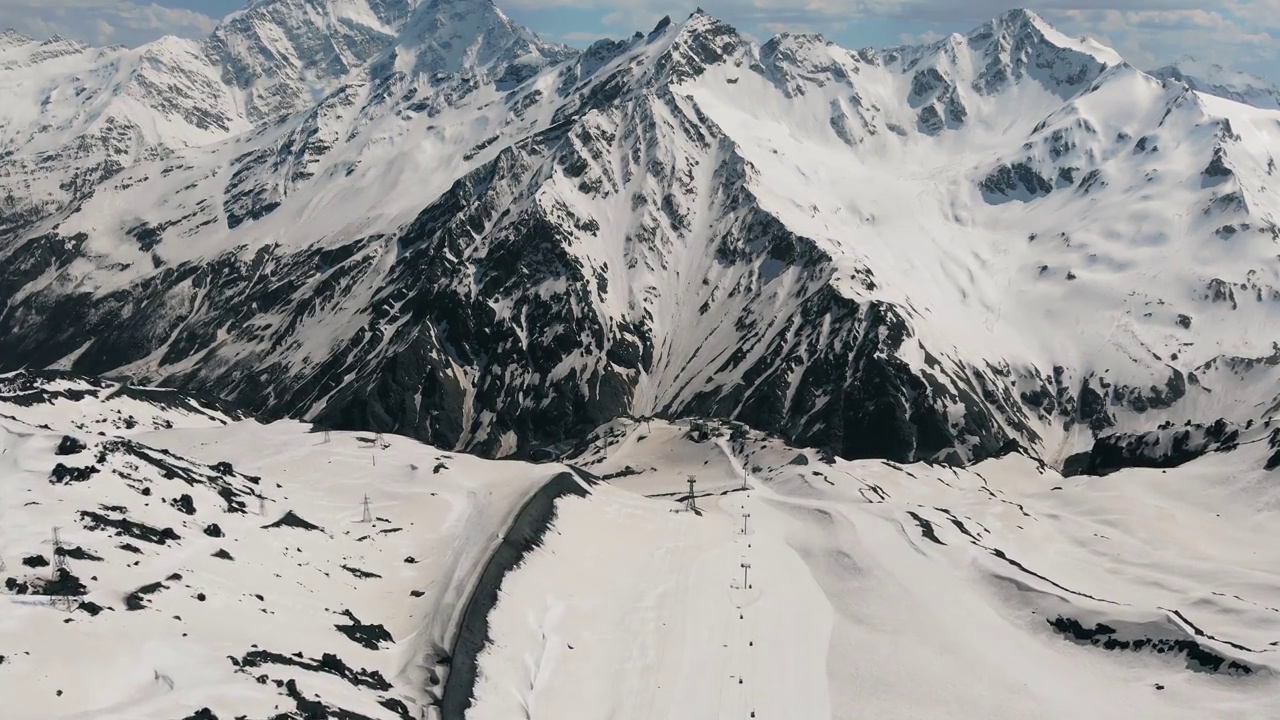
column 457, row 36
column 10, row 36
column 1022, row 16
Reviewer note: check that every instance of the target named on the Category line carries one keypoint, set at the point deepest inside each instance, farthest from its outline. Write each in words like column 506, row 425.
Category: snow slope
column 190, row 600
column 225, row 570
column 890, row 591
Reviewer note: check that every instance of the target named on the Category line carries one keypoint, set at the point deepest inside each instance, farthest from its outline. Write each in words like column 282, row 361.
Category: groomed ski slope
column 634, row 609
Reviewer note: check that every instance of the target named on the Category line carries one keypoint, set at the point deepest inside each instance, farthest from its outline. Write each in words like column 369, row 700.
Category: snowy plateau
column 355, row 361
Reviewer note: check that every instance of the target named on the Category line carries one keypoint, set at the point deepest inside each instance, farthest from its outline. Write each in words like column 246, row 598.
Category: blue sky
column 1239, row 34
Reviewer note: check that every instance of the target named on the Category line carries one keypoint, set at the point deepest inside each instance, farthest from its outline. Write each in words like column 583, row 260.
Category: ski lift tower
column 60, row 599
column 691, row 504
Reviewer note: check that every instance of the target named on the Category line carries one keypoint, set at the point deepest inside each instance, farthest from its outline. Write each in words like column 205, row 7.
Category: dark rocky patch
column 184, row 504
column 92, row 608
column 308, row 709
column 128, row 528
column 1163, row 448
column 229, row 485
column 137, row 600
column 291, row 519
column 1273, row 462
column 35, row 561
column 63, row 584
column 70, row 446
column 66, row 475
column 202, row 714
column 926, row 528
column 328, row 663
column 75, row 552
column 362, row 574
column 370, row 636
column 223, row 555
column 396, row 706
column 1199, row 658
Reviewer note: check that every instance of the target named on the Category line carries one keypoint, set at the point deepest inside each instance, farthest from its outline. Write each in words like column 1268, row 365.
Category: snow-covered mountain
column 494, row 244
column 165, row 559
column 1213, row 79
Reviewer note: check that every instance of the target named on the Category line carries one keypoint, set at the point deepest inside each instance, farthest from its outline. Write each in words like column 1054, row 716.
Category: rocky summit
column 432, row 222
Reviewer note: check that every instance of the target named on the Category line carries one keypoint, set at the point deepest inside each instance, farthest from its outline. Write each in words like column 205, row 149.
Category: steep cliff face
column 494, row 243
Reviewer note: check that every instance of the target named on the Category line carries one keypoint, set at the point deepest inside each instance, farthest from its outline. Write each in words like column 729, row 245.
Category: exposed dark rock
column 126, row 527
column 65, row 475
column 1166, row 448
column 1199, row 658
column 63, row 584
column 328, row 663
column 926, row 528
column 92, row 608
column 212, row 530
column 184, row 504
column 35, row 561
column 369, row 635
column 291, row 519
column 75, row 552
column 69, row 446
column 137, row 600
column 362, row 574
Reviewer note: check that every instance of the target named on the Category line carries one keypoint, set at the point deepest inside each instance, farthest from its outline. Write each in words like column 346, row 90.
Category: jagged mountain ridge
column 805, row 238
column 1213, row 79
column 85, row 114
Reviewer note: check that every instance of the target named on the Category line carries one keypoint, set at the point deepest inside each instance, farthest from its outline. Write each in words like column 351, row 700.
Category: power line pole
column 745, row 568
column 326, row 436
column 59, row 558
column 60, row 599
column 262, row 506
column 744, row 522
column 367, row 515
column 692, row 503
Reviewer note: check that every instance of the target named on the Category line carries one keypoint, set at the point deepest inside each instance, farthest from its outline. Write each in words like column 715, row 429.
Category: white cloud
column 102, row 22
column 924, row 38
column 1150, row 37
